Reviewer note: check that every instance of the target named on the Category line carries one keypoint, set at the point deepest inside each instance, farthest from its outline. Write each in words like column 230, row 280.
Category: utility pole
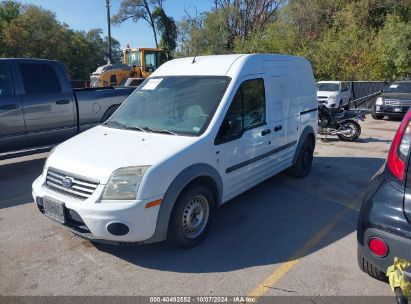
column 109, row 54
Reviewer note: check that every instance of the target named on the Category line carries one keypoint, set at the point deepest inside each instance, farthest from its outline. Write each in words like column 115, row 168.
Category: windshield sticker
column 393, row 86
column 152, row 84
column 196, row 129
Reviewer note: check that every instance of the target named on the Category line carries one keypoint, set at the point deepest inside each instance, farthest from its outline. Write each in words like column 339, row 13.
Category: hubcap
column 351, row 128
column 195, row 216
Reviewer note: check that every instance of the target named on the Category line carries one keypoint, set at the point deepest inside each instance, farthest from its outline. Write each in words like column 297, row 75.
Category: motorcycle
column 343, row 123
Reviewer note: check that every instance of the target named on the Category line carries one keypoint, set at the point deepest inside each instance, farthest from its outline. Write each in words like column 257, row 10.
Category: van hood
column 326, row 93
column 98, row 152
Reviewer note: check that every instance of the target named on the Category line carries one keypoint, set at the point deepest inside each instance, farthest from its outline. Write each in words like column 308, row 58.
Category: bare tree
column 137, row 10
column 247, row 16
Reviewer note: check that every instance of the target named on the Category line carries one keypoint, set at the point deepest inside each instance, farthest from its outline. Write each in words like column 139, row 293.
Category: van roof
column 223, row 65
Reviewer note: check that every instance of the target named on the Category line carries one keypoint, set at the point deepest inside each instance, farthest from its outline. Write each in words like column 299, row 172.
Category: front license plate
column 54, row 209
column 397, row 109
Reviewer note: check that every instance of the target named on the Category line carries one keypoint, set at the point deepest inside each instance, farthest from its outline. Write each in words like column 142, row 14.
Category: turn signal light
column 378, row 247
column 154, row 203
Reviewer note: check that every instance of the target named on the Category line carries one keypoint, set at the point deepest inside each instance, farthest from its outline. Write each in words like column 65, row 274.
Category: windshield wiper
column 123, row 126
column 159, row 131
column 115, row 124
column 135, row 128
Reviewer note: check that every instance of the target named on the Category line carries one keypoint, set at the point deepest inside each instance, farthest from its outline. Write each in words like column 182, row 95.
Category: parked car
column 384, row 224
column 333, row 94
column 39, row 108
column 394, row 101
column 195, row 134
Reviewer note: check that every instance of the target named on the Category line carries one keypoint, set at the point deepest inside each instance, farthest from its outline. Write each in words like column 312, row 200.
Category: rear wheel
column 352, row 130
column 191, row 217
column 109, row 112
column 369, row 268
column 302, row 166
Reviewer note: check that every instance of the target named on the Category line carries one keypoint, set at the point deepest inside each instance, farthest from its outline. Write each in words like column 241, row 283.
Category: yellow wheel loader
column 138, row 63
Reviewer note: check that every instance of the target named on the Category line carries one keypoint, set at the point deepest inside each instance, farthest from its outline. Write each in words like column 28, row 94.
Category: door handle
column 61, row 102
column 9, row 107
column 278, row 128
column 265, row 132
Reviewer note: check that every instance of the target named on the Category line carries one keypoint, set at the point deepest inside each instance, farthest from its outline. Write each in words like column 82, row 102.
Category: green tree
column 9, row 10
column 168, row 31
column 30, row 31
column 393, row 50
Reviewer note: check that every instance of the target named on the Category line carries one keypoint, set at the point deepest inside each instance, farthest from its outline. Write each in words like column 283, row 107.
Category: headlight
column 379, row 101
column 332, row 97
column 123, row 183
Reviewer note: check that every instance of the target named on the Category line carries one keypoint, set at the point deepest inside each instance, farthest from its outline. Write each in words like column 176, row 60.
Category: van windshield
column 171, row 105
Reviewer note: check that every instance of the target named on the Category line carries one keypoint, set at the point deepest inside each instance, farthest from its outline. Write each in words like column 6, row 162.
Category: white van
column 197, row 133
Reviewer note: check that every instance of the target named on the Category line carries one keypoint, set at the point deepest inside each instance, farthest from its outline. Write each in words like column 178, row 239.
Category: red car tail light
column 400, row 147
column 378, row 247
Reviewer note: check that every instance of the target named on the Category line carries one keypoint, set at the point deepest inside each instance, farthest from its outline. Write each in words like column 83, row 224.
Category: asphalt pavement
column 284, row 237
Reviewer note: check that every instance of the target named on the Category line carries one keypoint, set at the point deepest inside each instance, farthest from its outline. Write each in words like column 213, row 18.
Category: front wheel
column 351, row 129
column 375, row 115
column 191, row 217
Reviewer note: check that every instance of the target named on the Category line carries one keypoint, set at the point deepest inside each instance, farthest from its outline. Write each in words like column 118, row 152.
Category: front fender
column 174, row 190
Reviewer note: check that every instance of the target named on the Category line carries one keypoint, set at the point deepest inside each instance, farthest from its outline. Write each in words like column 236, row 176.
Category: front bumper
column 399, row 247
column 90, row 218
column 328, row 103
column 391, row 110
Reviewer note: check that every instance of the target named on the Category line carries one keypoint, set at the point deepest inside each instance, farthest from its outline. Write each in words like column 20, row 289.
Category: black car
column 394, row 101
column 384, row 224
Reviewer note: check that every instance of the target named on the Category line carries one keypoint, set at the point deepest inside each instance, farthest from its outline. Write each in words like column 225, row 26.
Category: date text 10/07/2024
column 201, row 299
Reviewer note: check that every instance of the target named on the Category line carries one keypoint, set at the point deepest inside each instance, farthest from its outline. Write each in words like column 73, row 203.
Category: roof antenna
column 194, row 59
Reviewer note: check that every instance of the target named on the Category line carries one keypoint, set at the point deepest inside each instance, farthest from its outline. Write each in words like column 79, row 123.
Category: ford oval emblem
column 67, row 183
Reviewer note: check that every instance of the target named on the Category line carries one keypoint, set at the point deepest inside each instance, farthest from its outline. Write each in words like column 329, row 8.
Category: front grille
column 81, row 188
column 397, row 102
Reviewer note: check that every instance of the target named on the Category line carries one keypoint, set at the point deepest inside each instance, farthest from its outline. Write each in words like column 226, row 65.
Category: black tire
column 109, row 112
column 302, row 166
column 357, row 133
column 401, row 299
column 369, row 268
column 375, row 115
column 181, row 221
column 348, row 105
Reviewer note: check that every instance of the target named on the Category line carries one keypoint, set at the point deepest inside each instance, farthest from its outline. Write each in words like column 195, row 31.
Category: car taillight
column 399, row 148
column 378, row 247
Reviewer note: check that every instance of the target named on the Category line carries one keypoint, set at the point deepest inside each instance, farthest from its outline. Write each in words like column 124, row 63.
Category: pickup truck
column 39, row 108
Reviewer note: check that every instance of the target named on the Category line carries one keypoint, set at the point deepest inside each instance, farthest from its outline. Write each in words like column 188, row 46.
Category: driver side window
column 247, row 111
